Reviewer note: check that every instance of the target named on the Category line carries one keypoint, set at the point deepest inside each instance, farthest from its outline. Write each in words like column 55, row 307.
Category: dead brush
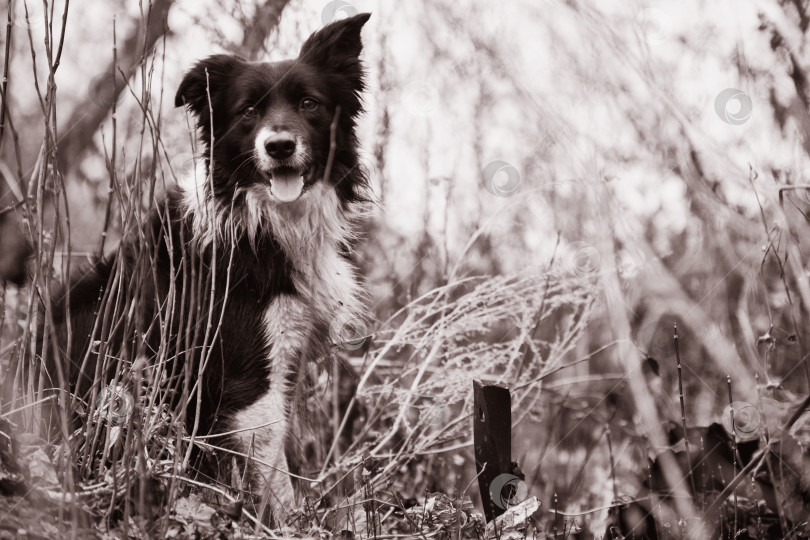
column 414, row 388
column 124, row 457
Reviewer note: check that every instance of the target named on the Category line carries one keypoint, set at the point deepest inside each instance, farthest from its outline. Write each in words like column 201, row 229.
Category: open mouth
column 287, row 183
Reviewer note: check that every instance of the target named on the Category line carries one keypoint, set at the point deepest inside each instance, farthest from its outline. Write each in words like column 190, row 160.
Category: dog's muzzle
column 286, row 183
column 280, row 158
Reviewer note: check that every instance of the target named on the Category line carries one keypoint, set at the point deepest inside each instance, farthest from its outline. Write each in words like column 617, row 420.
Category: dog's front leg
column 265, row 424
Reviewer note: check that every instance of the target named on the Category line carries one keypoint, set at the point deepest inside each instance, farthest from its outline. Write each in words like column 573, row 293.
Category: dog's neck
column 311, row 232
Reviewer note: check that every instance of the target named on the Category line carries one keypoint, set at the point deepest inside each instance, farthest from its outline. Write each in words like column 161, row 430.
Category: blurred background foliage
column 634, row 176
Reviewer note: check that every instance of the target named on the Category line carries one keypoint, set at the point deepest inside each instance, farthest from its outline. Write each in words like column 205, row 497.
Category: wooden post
column 492, row 435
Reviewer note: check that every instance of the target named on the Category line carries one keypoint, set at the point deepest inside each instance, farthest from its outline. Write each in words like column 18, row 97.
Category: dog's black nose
column 280, row 146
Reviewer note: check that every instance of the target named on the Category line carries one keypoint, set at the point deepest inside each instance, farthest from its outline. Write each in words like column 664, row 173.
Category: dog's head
column 268, row 125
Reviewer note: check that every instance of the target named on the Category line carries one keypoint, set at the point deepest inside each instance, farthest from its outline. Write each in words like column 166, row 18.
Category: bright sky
column 567, row 94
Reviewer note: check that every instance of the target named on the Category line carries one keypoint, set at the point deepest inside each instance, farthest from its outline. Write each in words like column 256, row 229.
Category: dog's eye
column 308, row 104
column 249, row 112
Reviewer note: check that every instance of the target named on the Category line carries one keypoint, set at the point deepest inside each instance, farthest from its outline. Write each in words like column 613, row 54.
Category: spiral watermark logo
column 431, row 413
column 507, row 491
column 106, row 89
column 582, row 258
column 631, row 266
column 348, row 333
column 115, row 404
column 335, row 10
column 500, row 178
column 733, row 106
column 28, row 15
column 421, row 98
column 652, row 25
column 183, row 164
column 659, row 340
column 741, row 419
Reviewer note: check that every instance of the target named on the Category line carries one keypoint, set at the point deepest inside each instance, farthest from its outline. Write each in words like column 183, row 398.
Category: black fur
column 327, row 68
column 157, row 290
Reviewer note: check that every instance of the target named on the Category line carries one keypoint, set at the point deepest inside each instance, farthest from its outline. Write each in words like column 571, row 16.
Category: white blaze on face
column 286, row 184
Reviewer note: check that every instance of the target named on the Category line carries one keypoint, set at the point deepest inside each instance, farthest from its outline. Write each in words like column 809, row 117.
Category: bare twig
column 676, row 340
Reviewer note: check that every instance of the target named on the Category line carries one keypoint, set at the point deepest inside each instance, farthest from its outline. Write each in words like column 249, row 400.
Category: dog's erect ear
column 195, row 87
column 337, row 45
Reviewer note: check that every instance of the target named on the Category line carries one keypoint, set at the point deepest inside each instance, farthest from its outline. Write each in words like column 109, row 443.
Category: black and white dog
column 247, row 265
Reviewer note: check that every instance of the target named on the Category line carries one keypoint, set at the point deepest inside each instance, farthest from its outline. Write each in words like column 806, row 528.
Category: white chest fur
column 263, row 426
column 310, row 232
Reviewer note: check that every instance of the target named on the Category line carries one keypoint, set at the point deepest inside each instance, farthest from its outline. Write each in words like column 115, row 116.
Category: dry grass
column 390, row 422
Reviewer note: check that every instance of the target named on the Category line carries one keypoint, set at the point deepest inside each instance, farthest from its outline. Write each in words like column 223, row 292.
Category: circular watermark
column 659, row 340
column 421, row 98
column 500, row 178
column 183, row 164
column 28, row 15
column 336, row 10
column 106, row 89
column 429, row 412
column 653, row 25
column 115, row 404
column 742, row 419
column 631, row 265
column 733, row 106
column 507, row 491
column 582, row 258
column 348, row 333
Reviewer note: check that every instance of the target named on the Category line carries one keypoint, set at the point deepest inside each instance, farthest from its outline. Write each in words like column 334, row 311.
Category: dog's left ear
column 206, row 77
column 337, row 47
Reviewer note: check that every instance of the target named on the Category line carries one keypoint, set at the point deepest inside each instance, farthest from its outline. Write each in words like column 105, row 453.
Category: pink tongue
column 286, row 186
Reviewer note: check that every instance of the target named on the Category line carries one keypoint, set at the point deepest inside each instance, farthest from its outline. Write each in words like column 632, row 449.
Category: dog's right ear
column 336, row 47
column 195, row 87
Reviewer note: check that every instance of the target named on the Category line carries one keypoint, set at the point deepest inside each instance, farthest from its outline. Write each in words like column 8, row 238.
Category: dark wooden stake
column 492, row 435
